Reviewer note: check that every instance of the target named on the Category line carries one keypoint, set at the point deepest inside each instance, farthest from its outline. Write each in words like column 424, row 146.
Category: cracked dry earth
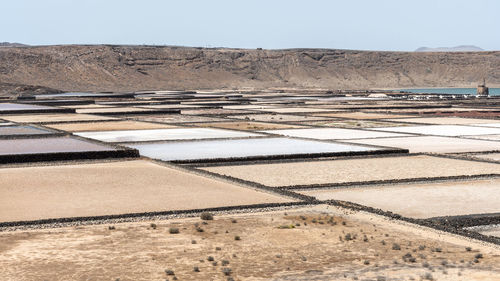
column 312, row 243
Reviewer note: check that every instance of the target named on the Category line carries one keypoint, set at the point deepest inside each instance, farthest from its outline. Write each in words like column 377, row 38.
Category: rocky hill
column 131, row 68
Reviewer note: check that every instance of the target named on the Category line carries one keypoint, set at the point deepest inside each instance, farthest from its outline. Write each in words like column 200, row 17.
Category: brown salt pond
column 422, row 200
column 47, row 118
column 98, row 189
column 108, row 126
column 355, row 170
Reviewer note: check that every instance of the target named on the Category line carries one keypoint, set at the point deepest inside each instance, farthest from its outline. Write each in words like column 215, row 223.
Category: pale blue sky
column 351, row 24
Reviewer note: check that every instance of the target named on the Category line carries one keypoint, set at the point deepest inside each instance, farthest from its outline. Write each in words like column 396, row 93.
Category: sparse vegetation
column 173, row 230
column 288, row 226
column 207, row 216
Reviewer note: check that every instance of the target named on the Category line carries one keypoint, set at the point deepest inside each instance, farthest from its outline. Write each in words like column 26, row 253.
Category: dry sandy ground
column 175, row 118
column 276, row 117
column 445, row 120
column 353, row 124
column 360, row 115
column 247, row 126
column 488, row 156
column 319, row 243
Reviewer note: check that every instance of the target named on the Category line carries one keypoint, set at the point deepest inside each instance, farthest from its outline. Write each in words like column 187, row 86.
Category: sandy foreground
column 307, row 243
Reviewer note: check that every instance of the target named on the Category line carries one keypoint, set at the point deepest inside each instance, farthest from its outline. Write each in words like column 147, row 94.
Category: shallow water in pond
column 48, row 145
column 21, row 130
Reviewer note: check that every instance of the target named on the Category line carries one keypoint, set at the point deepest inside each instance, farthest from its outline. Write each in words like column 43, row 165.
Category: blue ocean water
column 452, row 91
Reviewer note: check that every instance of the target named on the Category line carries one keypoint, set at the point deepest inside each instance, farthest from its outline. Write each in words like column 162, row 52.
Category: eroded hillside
column 130, row 68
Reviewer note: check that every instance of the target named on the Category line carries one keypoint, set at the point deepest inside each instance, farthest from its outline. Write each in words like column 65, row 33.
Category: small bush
column 468, row 249
column 366, row 262
column 218, row 248
column 234, row 221
column 153, row 226
column 173, row 230
column 111, row 227
column 428, row 276
column 169, row 272
column 227, row 271
column 224, row 262
column 199, row 229
column 478, row 256
column 237, row 238
column 409, row 258
column 207, row 216
column 196, row 269
column 210, row 258
column 193, row 242
column 289, row 226
column 396, row 247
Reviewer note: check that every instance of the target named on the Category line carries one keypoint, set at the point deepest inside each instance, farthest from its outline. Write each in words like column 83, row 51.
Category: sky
column 396, row 25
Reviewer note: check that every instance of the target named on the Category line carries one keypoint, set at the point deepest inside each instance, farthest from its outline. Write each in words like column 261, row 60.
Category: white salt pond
column 442, row 130
column 239, row 148
column 165, row 134
column 433, row 144
column 333, row 133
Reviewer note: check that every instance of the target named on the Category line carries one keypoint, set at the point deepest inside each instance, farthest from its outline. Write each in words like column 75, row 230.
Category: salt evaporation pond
column 223, row 149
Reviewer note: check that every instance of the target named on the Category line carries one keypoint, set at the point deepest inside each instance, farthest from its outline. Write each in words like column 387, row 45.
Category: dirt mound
column 129, row 68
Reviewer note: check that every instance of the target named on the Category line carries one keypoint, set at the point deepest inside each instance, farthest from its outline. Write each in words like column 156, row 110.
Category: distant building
column 482, row 90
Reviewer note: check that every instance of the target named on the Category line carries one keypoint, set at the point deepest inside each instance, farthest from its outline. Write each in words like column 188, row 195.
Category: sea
column 451, row 91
